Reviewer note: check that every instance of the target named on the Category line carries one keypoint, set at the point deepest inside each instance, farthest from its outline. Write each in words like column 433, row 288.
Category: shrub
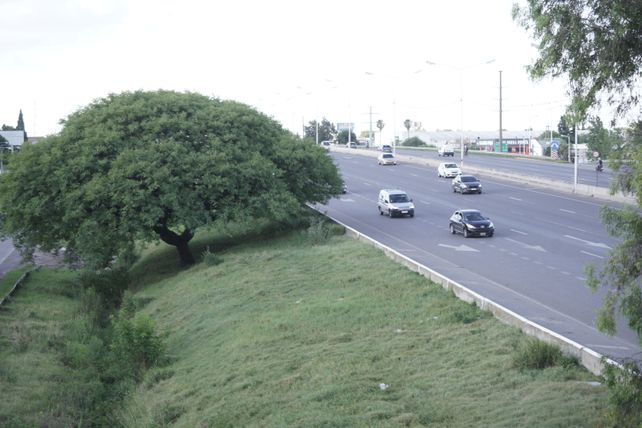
column 210, row 258
column 319, row 231
column 535, row 354
column 625, row 394
column 413, row 142
column 134, row 347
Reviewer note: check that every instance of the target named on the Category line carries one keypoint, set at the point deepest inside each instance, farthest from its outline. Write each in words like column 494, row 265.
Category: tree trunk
column 181, row 242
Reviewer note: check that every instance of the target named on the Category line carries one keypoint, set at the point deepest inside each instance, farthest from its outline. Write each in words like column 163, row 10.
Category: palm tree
column 380, row 125
column 407, row 124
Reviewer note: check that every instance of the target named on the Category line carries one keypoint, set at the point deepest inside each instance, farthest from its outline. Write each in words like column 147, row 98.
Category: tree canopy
column 597, row 44
column 142, row 166
column 327, row 131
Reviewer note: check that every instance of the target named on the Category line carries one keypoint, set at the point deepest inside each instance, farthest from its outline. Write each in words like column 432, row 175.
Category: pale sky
column 296, row 61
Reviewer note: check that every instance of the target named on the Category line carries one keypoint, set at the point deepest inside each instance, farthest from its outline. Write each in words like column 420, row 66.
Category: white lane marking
column 591, row 254
column 367, row 184
column 527, row 246
column 461, row 247
column 515, row 199
column 414, row 175
column 425, row 202
column 592, row 244
column 346, row 200
column 567, row 211
column 518, row 231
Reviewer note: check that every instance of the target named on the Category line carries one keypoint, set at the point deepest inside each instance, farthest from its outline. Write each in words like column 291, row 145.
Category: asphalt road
column 559, row 171
column 9, row 257
column 535, row 263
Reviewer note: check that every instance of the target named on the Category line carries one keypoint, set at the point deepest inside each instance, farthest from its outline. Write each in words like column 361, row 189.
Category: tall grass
column 285, row 333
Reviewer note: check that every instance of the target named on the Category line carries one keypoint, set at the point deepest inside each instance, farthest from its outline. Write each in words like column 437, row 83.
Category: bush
column 535, row 354
column 210, row 258
column 134, row 346
column 625, row 398
column 414, row 142
column 109, row 285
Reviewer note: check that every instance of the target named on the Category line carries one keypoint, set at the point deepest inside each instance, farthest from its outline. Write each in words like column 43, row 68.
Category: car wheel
column 412, row 215
column 452, row 229
column 380, row 212
column 490, row 235
column 389, row 213
column 466, row 235
column 479, row 192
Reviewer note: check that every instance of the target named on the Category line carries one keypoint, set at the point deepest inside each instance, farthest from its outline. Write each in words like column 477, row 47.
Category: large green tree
column 597, row 44
column 142, row 166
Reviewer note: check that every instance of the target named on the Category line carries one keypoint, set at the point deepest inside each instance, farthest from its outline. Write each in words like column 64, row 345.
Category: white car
column 448, row 169
column 387, row 159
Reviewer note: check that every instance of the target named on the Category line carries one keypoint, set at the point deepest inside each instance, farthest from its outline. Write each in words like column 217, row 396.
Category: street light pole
column 461, row 101
column 575, row 162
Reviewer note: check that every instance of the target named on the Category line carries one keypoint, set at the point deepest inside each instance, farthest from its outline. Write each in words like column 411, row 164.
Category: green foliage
column 535, row 354
column 413, row 142
column 600, row 139
column 135, row 346
column 143, row 166
column 210, row 258
column 103, row 292
column 327, row 130
column 342, row 137
column 625, row 394
column 598, row 44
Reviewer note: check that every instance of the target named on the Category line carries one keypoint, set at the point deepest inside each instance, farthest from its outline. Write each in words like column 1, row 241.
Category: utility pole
column 500, row 111
column 370, row 129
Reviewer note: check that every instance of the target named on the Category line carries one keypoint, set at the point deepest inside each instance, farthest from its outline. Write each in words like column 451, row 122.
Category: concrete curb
column 589, row 358
column 581, row 189
column 17, row 284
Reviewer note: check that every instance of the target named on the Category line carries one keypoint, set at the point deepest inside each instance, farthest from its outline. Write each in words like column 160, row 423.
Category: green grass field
column 285, row 333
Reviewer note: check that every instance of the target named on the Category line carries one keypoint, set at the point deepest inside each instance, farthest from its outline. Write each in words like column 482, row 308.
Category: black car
column 466, row 184
column 471, row 223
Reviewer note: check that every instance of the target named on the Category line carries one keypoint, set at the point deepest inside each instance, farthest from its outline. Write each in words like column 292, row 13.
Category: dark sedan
column 466, row 184
column 471, row 223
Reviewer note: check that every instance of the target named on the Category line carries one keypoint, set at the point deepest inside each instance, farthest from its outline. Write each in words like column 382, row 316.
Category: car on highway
column 466, row 184
column 387, row 159
column 395, row 203
column 326, row 144
column 448, row 169
column 351, row 145
column 386, row 148
column 471, row 222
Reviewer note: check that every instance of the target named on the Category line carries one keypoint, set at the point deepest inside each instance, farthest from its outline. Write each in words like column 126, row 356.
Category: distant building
column 516, row 142
column 15, row 138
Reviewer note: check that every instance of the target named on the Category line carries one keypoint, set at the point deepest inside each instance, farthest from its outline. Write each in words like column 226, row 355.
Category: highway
column 535, row 263
column 558, row 171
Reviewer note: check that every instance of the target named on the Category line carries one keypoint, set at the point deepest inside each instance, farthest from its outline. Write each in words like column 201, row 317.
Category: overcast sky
column 434, row 62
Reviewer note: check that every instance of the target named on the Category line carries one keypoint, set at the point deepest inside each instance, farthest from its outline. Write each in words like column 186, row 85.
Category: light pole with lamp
column 461, row 101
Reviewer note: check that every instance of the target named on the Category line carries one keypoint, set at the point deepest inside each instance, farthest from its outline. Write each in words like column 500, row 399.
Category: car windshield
column 468, row 178
column 387, row 155
column 402, row 197
column 450, row 165
column 474, row 216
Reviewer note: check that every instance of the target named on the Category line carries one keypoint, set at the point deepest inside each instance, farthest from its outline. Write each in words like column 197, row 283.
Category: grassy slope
column 286, row 334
